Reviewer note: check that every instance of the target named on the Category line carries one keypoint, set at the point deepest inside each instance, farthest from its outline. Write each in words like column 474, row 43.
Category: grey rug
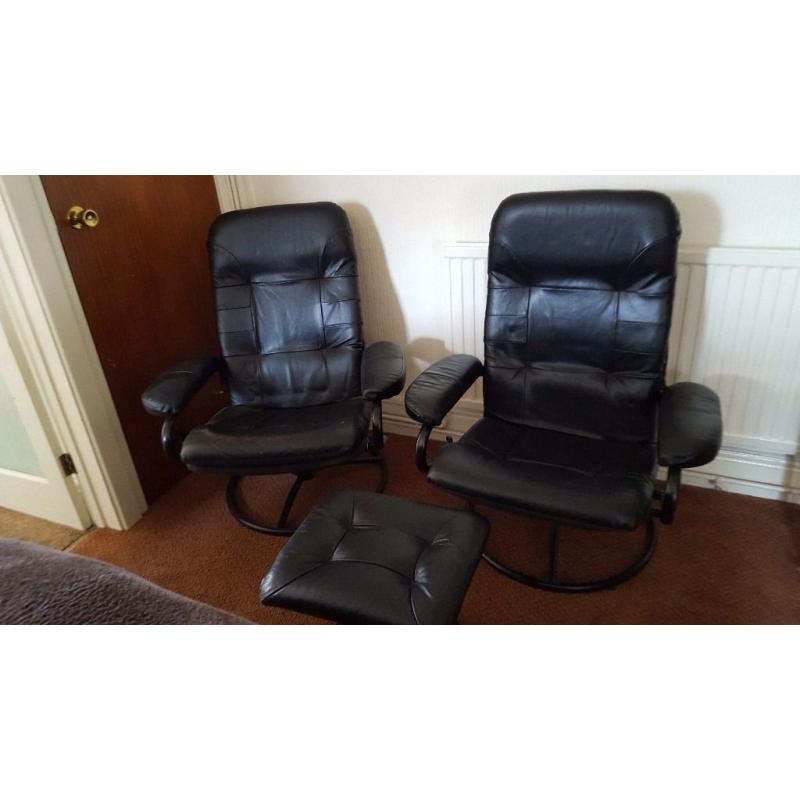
column 39, row 585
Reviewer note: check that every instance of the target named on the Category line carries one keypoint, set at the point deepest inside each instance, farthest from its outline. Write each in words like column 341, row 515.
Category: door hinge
column 67, row 464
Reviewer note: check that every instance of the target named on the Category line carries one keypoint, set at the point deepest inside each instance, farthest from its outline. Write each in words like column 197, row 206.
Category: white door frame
column 43, row 490
column 50, row 327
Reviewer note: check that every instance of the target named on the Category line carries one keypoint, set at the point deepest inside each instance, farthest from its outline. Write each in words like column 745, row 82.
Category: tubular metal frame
column 280, row 530
column 665, row 513
column 551, row 582
column 171, row 443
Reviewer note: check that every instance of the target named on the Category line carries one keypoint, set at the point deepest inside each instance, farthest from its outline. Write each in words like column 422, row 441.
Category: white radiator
column 735, row 327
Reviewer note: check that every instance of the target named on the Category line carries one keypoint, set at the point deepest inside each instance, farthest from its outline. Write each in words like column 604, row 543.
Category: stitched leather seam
column 509, row 250
column 608, row 291
column 529, row 331
column 616, row 324
column 232, row 255
column 448, row 521
column 332, row 237
column 321, row 309
column 414, row 581
column 630, row 264
column 296, row 578
column 254, row 329
column 326, row 563
column 635, row 353
column 646, row 249
column 477, row 444
column 257, row 342
column 275, row 352
column 649, row 376
column 382, row 527
column 574, row 289
column 411, row 602
column 322, row 277
column 592, row 474
column 284, row 282
column 344, row 533
column 370, row 564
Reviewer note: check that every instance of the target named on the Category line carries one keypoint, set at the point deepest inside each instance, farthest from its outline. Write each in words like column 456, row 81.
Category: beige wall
column 400, row 224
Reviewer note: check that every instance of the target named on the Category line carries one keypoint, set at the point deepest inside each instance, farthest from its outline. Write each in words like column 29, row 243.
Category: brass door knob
column 78, row 216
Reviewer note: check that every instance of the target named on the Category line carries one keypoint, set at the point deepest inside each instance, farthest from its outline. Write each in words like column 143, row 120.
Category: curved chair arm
column 689, row 426
column 172, row 390
column 383, row 371
column 433, row 393
column 689, row 435
column 175, row 387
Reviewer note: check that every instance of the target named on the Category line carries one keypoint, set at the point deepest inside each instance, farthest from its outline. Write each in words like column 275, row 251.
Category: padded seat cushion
column 369, row 558
column 251, row 439
column 594, row 482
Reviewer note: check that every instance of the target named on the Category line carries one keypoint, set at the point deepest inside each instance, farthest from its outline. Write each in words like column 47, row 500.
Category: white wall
column 401, row 223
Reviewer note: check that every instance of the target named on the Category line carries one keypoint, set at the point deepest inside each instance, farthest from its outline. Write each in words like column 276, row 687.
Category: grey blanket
column 39, row 585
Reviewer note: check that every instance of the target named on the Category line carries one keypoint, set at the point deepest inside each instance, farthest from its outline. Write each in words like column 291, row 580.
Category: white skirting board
column 736, row 328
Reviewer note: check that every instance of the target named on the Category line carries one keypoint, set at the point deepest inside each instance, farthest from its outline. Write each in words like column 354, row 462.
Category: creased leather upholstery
column 433, row 393
column 365, row 558
column 383, row 371
column 690, row 426
column 288, row 306
column 247, row 439
column 289, row 322
column 173, row 389
column 578, row 311
column 593, row 482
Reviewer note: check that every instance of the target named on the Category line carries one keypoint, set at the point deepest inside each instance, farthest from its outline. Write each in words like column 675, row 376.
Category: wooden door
column 143, row 279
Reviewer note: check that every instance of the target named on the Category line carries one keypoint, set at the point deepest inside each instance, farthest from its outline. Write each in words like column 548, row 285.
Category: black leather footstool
column 361, row 557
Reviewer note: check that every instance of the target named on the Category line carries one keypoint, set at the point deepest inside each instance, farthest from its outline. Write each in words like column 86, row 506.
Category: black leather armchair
column 577, row 415
column 305, row 393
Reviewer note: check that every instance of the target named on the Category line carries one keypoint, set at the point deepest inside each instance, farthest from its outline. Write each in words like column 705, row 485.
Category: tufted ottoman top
column 361, row 557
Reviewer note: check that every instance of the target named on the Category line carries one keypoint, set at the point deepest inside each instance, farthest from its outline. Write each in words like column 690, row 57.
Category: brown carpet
column 727, row 558
column 14, row 525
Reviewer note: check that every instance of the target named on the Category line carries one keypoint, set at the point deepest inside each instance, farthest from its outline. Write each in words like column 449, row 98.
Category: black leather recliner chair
column 305, row 394
column 577, row 414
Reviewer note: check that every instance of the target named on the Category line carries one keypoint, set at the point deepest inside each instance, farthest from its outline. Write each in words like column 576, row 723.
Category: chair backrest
column 579, row 309
column 288, row 310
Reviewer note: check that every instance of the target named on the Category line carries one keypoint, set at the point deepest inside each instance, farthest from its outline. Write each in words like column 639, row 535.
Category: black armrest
column 383, row 371
column 173, row 389
column 439, row 388
column 689, row 427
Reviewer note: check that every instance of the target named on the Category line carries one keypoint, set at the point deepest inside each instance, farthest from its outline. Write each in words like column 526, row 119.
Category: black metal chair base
column 551, row 582
column 231, row 497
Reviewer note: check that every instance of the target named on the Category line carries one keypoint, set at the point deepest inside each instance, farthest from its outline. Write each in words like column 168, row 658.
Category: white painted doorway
column 33, row 478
